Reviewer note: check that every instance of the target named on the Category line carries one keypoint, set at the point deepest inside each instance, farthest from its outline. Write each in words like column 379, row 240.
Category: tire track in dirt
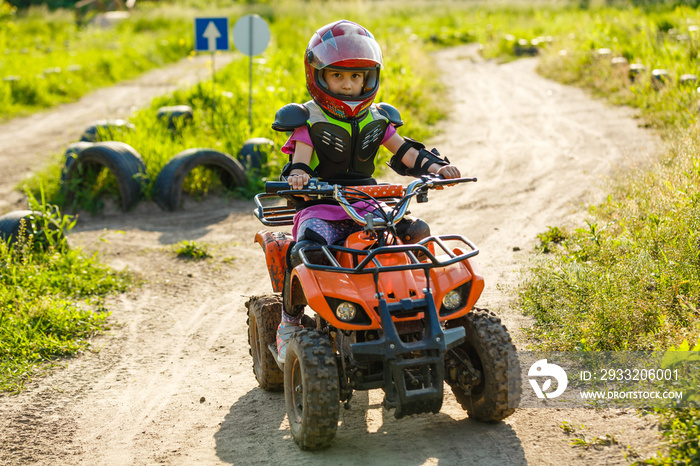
column 537, row 148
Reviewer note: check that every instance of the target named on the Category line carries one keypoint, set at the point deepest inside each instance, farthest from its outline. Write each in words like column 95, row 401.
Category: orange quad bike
column 388, row 315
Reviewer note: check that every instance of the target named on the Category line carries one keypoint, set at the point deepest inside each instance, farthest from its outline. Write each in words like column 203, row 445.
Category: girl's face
column 341, row 82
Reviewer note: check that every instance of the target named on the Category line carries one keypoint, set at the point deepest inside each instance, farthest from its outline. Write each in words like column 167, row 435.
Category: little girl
column 336, row 137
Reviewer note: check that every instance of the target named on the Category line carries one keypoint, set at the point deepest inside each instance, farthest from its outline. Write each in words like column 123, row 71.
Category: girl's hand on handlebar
column 297, row 179
column 448, row 172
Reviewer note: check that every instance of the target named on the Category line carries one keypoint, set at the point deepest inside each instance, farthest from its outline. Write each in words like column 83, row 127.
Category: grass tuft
column 191, row 250
column 52, row 297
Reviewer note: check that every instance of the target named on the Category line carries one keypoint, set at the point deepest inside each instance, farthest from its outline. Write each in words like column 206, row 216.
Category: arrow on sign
column 211, row 33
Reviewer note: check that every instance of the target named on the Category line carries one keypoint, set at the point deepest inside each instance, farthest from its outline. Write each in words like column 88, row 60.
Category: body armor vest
column 345, row 147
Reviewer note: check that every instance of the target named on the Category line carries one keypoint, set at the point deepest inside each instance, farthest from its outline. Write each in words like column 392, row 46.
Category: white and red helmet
column 347, row 46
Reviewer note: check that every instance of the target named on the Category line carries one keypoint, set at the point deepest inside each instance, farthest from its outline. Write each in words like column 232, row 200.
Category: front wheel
column 311, row 389
column 484, row 371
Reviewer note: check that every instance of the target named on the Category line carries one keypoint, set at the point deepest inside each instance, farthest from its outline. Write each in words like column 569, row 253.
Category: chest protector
column 341, row 147
column 345, row 146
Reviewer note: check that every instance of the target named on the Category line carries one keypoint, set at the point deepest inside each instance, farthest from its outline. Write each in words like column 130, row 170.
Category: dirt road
column 172, row 382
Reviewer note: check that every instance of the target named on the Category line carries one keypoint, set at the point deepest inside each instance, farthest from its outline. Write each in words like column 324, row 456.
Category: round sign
column 251, row 35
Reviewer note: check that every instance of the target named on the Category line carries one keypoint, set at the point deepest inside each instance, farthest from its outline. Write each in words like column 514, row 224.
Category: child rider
column 336, row 137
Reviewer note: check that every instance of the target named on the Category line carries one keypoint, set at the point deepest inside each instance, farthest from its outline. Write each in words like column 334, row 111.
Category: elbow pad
column 396, row 164
column 424, row 160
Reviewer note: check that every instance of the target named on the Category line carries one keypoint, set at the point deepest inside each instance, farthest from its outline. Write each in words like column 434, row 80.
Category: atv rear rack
column 283, row 215
column 363, row 258
column 272, row 216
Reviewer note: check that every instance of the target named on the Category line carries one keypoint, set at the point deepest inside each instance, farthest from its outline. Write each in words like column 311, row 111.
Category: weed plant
column 7, row 11
column 630, row 278
column 51, row 296
column 191, row 250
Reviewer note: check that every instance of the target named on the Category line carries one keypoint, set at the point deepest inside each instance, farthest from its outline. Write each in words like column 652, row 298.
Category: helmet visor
column 351, row 51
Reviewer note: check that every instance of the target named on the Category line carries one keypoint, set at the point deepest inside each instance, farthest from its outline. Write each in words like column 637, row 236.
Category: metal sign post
column 211, row 35
column 251, row 35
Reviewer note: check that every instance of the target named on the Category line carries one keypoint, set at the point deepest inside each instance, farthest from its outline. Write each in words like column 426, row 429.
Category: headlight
column 346, row 311
column 452, row 300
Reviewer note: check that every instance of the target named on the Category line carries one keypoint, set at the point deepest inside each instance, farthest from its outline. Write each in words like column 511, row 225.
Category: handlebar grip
column 381, row 190
column 271, row 187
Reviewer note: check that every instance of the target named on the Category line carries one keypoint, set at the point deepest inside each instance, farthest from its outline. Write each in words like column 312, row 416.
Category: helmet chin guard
column 343, row 45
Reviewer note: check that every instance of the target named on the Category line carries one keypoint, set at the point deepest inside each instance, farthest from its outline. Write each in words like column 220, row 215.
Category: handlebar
column 378, row 190
column 271, row 187
column 316, row 189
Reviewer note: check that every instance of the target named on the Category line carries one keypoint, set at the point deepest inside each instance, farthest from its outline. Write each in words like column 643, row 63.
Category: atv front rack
column 363, row 258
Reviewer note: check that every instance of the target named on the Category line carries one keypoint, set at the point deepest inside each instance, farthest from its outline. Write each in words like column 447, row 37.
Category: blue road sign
column 211, row 34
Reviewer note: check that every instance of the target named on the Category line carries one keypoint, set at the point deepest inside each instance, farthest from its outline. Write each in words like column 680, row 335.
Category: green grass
column 628, row 278
column 191, row 250
column 45, row 59
column 667, row 39
column 52, row 297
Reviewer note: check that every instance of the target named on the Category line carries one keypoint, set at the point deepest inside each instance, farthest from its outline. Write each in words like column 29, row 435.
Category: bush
column 7, row 10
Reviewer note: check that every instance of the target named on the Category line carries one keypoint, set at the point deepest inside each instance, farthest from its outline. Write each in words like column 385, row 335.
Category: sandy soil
column 172, row 382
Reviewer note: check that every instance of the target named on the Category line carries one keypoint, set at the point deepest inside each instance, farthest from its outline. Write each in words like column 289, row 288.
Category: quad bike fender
column 275, row 245
column 477, row 283
column 475, row 289
column 307, row 287
column 314, row 287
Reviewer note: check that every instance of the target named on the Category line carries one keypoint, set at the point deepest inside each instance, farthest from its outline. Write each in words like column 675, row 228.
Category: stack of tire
column 127, row 166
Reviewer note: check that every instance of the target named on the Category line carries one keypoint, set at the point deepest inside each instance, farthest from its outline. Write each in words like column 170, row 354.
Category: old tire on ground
column 264, row 315
column 12, row 224
column 490, row 350
column 177, row 115
column 311, row 389
column 109, row 129
column 168, row 186
column 121, row 159
column 75, row 148
column 255, row 153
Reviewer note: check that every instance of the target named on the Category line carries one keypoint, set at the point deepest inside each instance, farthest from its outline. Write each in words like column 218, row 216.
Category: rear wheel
column 264, row 315
column 484, row 372
column 311, row 389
